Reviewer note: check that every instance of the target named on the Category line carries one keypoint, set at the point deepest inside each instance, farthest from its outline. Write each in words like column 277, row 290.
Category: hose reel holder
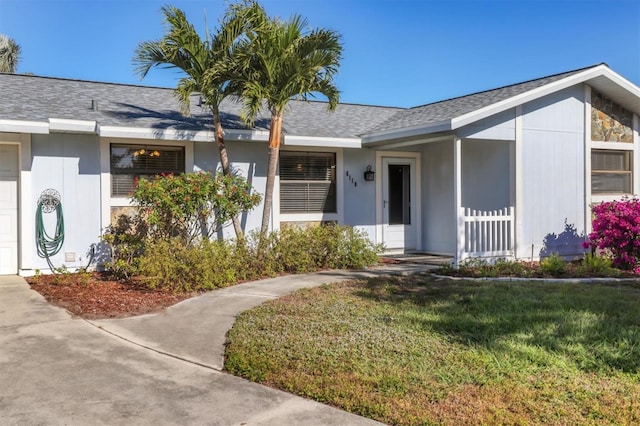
column 47, row 245
column 49, row 200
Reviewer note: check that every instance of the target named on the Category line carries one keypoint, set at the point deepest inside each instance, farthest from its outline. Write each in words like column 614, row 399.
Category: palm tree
column 182, row 48
column 279, row 61
column 9, row 54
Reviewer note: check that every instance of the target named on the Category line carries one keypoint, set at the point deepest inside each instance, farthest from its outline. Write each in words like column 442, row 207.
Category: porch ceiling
column 409, row 140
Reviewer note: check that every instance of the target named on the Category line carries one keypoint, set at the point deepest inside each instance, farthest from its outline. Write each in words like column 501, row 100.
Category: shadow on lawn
column 593, row 325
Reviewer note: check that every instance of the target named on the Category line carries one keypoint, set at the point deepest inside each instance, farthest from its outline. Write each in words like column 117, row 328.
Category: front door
column 399, row 203
column 8, row 209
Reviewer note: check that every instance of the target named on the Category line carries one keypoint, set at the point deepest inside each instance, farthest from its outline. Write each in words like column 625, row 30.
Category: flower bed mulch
column 98, row 296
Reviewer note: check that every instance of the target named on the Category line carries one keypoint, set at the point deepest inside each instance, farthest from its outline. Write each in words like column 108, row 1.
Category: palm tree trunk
column 275, row 135
column 224, row 161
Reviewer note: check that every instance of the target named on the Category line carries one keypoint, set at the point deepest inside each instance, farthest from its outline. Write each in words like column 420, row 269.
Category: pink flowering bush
column 616, row 230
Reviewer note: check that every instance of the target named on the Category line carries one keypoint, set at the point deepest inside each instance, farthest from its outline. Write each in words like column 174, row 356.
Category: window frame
column 138, row 172
column 627, row 171
column 310, row 180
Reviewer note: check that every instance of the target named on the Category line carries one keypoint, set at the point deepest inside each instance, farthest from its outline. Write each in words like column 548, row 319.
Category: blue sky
column 396, row 52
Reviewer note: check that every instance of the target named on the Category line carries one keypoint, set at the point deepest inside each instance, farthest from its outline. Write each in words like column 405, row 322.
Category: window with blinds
column 307, row 182
column 131, row 162
column 611, row 172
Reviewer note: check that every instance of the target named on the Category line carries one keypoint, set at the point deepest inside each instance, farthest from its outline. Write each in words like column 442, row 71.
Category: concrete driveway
column 56, row 369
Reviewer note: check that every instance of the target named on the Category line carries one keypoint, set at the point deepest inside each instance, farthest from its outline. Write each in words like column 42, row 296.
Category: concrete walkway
column 155, row 369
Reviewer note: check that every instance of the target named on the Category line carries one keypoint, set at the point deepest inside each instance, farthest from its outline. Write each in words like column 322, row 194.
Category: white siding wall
column 553, row 174
column 360, row 199
column 497, row 127
column 438, row 218
column 69, row 164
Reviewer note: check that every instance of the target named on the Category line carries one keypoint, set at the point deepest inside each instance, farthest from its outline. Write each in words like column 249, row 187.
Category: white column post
column 587, row 159
column 519, row 232
column 105, row 184
column 636, row 156
column 457, row 197
column 26, row 233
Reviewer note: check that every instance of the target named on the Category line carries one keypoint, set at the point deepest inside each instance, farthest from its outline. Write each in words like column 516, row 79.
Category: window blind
column 611, row 172
column 307, row 182
column 129, row 162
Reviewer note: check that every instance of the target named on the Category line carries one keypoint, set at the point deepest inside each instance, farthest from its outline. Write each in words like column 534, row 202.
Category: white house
column 509, row 172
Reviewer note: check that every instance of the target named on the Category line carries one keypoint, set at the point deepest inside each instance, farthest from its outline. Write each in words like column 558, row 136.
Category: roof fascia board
column 622, row 82
column 479, row 114
column 23, row 126
column 380, row 138
column 247, row 135
column 314, row 141
column 151, row 133
column 72, row 126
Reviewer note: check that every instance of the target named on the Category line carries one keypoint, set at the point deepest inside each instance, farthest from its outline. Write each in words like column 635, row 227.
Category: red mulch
column 97, row 296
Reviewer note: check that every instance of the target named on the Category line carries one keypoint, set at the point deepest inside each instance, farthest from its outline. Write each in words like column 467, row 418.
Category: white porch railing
column 487, row 233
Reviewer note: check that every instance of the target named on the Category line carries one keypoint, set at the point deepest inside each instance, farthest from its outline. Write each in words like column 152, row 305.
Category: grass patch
column 417, row 350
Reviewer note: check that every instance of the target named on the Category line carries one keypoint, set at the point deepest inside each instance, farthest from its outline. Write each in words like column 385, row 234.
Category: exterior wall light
column 369, row 175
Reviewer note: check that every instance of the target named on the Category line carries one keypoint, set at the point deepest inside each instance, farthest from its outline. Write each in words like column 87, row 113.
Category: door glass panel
column 399, row 195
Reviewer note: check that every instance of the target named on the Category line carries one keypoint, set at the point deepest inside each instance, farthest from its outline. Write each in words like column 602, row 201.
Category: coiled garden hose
column 48, row 245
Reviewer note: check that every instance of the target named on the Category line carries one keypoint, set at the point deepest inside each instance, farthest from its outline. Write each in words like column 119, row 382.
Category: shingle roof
column 24, row 97
column 455, row 107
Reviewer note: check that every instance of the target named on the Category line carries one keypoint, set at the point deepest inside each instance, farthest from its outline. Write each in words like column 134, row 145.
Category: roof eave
column 316, row 141
column 572, row 80
column 388, row 136
column 24, row 126
column 63, row 125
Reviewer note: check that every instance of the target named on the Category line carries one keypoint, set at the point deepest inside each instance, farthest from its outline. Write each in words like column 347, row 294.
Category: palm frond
column 9, row 54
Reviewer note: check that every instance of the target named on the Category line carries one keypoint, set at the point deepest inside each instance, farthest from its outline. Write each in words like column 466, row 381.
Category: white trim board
column 72, row 126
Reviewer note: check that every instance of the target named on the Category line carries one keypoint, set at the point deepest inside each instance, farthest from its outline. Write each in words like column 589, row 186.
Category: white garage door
column 8, row 209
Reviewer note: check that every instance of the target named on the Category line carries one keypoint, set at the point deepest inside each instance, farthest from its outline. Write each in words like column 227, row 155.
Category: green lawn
column 422, row 351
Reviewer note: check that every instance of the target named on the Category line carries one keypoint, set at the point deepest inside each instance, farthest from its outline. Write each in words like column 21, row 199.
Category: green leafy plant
column 84, row 276
column 593, row 264
column 172, row 264
column 126, row 242
column 476, row 267
column 191, row 206
column 184, row 209
column 553, row 265
column 511, row 268
column 303, row 249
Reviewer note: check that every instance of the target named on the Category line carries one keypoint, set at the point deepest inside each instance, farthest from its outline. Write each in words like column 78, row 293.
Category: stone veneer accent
column 609, row 121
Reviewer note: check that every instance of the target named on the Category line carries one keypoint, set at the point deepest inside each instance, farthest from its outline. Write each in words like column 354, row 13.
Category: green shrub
column 510, row 268
column 193, row 205
column 295, row 250
column 172, row 264
column 126, row 242
column 593, row 264
column 476, row 267
column 553, row 265
column 298, row 250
